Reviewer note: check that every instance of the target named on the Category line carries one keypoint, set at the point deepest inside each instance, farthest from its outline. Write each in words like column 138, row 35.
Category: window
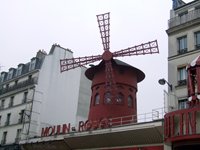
column 130, row 101
column 130, row 90
column 2, row 77
column 107, row 98
column 10, row 74
column 2, row 104
column 3, row 141
column 24, row 100
column 120, row 87
column 11, row 101
column 18, row 136
column 121, row 71
column 32, row 64
column 183, row 18
column 182, row 45
column 21, row 116
column 182, row 76
column 120, row 99
column 16, row 82
column 197, row 40
column 30, row 77
column 97, row 99
column 19, row 70
column 7, row 120
column 197, row 12
column 7, row 86
column 182, row 104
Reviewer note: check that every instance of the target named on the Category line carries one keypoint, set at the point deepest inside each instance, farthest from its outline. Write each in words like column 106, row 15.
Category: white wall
column 59, row 92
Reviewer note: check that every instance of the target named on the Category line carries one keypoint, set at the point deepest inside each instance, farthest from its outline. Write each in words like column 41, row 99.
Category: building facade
column 183, row 48
column 179, row 130
column 182, row 120
column 32, row 94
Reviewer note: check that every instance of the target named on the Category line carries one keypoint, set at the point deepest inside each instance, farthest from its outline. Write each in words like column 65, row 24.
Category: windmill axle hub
column 107, row 55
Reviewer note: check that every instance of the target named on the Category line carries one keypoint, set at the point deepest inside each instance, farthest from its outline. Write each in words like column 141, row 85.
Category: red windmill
column 107, row 58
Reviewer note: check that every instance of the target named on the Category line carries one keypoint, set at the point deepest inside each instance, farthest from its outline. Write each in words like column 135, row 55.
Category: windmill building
column 32, row 94
column 113, row 122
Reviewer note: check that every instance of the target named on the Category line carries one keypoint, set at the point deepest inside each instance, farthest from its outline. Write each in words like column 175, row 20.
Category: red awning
column 195, row 62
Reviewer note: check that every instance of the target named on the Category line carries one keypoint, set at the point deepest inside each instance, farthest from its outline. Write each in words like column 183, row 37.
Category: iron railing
column 156, row 114
column 192, row 15
column 182, row 82
column 17, row 140
column 181, row 51
column 7, row 123
column 3, row 142
column 1, row 107
column 24, row 100
column 20, row 120
column 10, row 104
column 18, row 85
column 197, row 46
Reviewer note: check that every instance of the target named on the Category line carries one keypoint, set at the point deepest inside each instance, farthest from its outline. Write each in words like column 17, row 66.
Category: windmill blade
column 111, row 96
column 67, row 64
column 143, row 49
column 104, row 27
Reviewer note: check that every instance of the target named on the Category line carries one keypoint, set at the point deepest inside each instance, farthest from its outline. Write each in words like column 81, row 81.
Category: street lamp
column 163, row 81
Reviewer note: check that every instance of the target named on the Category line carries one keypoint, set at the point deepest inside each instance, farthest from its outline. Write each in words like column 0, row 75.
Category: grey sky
column 27, row 26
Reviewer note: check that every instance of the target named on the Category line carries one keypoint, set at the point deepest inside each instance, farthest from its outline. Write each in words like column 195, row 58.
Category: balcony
column 10, row 104
column 3, row 142
column 179, row 20
column 181, row 51
column 7, row 123
column 197, row 46
column 24, row 100
column 17, row 140
column 19, row 85
column 20, row 120
column 182, row 82
column 2, row 107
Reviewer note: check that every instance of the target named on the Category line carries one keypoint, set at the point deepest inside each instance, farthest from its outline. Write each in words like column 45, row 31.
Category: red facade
column 193, row 71
column 126, row 78
column 181, row 127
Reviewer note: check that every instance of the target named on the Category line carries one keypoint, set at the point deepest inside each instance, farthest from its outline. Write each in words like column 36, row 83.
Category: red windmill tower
column 112, row 80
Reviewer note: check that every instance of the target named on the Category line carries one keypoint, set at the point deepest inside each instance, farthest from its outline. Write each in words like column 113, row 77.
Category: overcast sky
column 29, row 25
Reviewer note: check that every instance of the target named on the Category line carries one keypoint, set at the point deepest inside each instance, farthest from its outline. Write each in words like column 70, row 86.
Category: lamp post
column 163, row 81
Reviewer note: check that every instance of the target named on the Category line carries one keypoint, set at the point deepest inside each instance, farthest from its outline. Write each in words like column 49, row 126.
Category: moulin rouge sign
column 182, row 122
column 83, row 126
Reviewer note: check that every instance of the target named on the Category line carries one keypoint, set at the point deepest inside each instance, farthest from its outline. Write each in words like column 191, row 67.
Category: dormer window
column 3, row 75
column 19, row 70
column 10, row 74
column 32, row 64
column 1, row 78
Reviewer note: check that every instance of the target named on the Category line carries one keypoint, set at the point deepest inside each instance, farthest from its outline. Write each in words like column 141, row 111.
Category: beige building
column 181, row 123
column 183, row 47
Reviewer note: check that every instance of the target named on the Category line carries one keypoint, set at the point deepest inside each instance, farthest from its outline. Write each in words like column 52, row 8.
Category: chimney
column 41, row 53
